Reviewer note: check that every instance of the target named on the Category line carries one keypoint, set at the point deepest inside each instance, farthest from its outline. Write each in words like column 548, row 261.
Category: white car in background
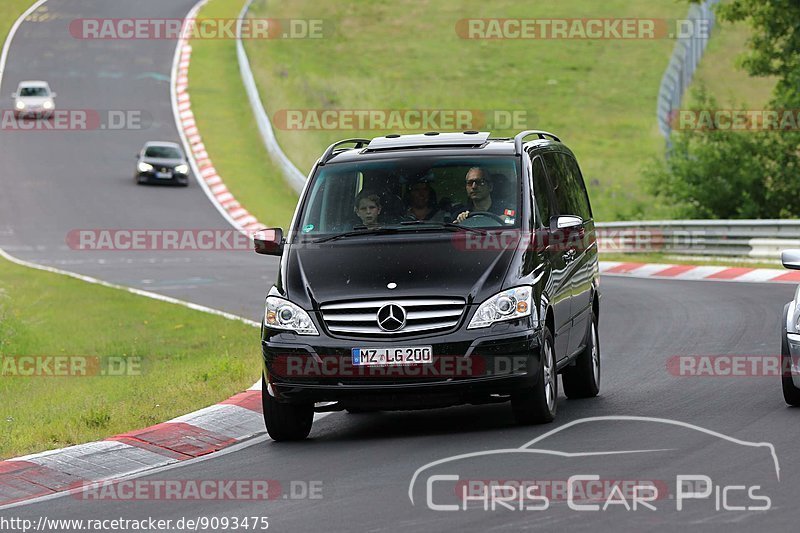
column 790, row 338
column 34, row 98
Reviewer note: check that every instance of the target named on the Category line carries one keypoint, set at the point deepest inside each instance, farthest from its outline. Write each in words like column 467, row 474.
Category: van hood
column 419, row 264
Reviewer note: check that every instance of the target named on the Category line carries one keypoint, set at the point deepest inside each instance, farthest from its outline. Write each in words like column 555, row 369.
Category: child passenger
column 368, row 207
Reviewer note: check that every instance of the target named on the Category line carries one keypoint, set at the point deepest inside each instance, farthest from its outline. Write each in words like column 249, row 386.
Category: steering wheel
column 500, row 220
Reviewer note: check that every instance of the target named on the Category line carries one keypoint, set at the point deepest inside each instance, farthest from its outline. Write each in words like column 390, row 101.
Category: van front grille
column 360, row 317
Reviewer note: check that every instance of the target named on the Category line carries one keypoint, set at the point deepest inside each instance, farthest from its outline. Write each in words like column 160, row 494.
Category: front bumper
column 150, row 177
column 29, row 112
column 466, row 368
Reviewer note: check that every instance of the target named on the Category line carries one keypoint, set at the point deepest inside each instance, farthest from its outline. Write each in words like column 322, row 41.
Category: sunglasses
column 476, row 183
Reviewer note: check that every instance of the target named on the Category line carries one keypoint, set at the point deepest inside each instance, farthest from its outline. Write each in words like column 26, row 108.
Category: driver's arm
column 461, row 217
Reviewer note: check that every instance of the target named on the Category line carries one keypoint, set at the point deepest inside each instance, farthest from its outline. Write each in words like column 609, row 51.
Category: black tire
column 286, row 421
column 583, row 379
column 538, row 404
column 791, row 394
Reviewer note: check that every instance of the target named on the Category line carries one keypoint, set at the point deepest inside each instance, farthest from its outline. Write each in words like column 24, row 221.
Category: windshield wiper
column 384, row 230
column 358, row 230
column 448, row 225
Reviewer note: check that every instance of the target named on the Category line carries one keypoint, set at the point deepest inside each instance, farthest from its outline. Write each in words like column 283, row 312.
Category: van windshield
column 412, row 194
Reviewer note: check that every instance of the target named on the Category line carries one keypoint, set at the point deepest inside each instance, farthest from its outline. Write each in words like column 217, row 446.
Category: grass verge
column 10, row 10
column 684, row 260
column 229, row 131
column 178, row 360
column 598, row 95
column 720, row 75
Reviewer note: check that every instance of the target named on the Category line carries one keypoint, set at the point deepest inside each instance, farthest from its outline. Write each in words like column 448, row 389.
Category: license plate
column 392, row 356
column 164, row 175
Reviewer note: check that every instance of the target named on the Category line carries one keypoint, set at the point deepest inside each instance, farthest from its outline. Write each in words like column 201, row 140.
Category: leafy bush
column 719, row 173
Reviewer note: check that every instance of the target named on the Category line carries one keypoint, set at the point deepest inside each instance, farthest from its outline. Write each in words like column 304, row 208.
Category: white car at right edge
column 790, row 338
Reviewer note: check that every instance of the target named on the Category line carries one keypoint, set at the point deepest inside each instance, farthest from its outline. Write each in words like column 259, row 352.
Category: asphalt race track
column 363, row 465
column 57, row 181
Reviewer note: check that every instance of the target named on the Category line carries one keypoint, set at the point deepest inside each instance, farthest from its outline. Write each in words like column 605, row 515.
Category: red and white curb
column 698, row 273
column 204, row 171
column 186, row 437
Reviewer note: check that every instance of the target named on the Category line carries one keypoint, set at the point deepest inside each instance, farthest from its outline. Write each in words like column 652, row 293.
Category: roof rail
column 520, row 137
column 329, row 153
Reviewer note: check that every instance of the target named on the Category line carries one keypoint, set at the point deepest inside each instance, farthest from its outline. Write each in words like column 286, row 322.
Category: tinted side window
column 541, row 191
column 578, row 195
column 559, row 181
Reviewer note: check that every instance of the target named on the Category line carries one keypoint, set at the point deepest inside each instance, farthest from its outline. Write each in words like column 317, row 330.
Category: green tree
column 715, row 173
column 774, row 46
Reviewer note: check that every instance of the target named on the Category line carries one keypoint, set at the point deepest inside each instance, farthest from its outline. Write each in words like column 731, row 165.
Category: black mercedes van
column 431, row 270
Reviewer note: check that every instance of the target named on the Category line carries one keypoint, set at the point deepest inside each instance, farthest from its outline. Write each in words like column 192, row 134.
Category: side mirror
column 566, row 232
column 791, row 259
column 268, row 241
column 566, row 222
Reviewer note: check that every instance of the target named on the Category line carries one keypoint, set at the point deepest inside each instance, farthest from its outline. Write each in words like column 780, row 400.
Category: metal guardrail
column 757, row 239
column 291, row 173
column 683, row 64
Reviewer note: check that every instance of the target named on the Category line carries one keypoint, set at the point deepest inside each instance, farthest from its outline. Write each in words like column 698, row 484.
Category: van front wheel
column 537, row 405
column 583, row 379
column 285, row 421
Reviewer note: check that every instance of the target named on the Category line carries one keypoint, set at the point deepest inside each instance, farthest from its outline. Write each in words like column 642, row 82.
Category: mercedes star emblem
column 391, row 317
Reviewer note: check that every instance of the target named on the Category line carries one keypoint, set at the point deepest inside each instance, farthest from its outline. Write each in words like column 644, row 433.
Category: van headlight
column 48, row 104
column 283, row 314
column 20, row 105
column 507, row 305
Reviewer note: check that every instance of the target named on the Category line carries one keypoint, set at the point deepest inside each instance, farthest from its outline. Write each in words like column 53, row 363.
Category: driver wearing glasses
column 480, row 184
